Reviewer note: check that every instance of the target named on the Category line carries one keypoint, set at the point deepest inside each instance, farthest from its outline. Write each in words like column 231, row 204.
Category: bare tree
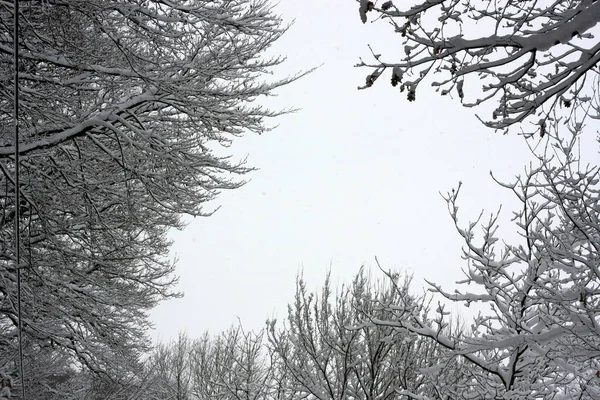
column 541, row 336
column 328, row 352
column 126, row 109
column 171, row 369
column 233, row 365
column 526, row 58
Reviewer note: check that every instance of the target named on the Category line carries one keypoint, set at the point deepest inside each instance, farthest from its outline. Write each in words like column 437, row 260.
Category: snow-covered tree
column 126, row 110
column 324, row 350
column 172, row 369
column 525, row 58
column 233, row 365
column 538, row 336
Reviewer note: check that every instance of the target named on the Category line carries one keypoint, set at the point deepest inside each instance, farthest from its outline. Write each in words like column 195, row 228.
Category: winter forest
column 125, row 123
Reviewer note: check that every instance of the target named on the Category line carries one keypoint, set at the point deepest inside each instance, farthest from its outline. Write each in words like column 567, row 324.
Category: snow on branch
column 126, row 112
column 526, row 58
column 537, row 335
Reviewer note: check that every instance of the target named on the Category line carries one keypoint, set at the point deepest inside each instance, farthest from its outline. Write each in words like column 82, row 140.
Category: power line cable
column 18, row 191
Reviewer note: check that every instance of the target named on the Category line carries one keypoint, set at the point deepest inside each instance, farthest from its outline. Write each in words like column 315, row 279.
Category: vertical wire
column 18, row 191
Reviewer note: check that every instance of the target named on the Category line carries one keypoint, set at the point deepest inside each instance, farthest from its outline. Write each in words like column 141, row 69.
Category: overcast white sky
column 353, row 175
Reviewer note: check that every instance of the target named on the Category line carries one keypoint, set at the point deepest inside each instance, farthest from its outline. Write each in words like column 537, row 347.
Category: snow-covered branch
column 527, row 58
column 539, row 337
column 126, row 112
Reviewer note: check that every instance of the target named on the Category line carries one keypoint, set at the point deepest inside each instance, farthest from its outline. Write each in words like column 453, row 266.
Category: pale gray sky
column 353, row 175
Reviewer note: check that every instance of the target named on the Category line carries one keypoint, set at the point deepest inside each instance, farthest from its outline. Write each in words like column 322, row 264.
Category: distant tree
column 539, row 337
column 326, row 351
column 171, row 368
column 525, row 58
column 126, row 108
column 233, row 365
